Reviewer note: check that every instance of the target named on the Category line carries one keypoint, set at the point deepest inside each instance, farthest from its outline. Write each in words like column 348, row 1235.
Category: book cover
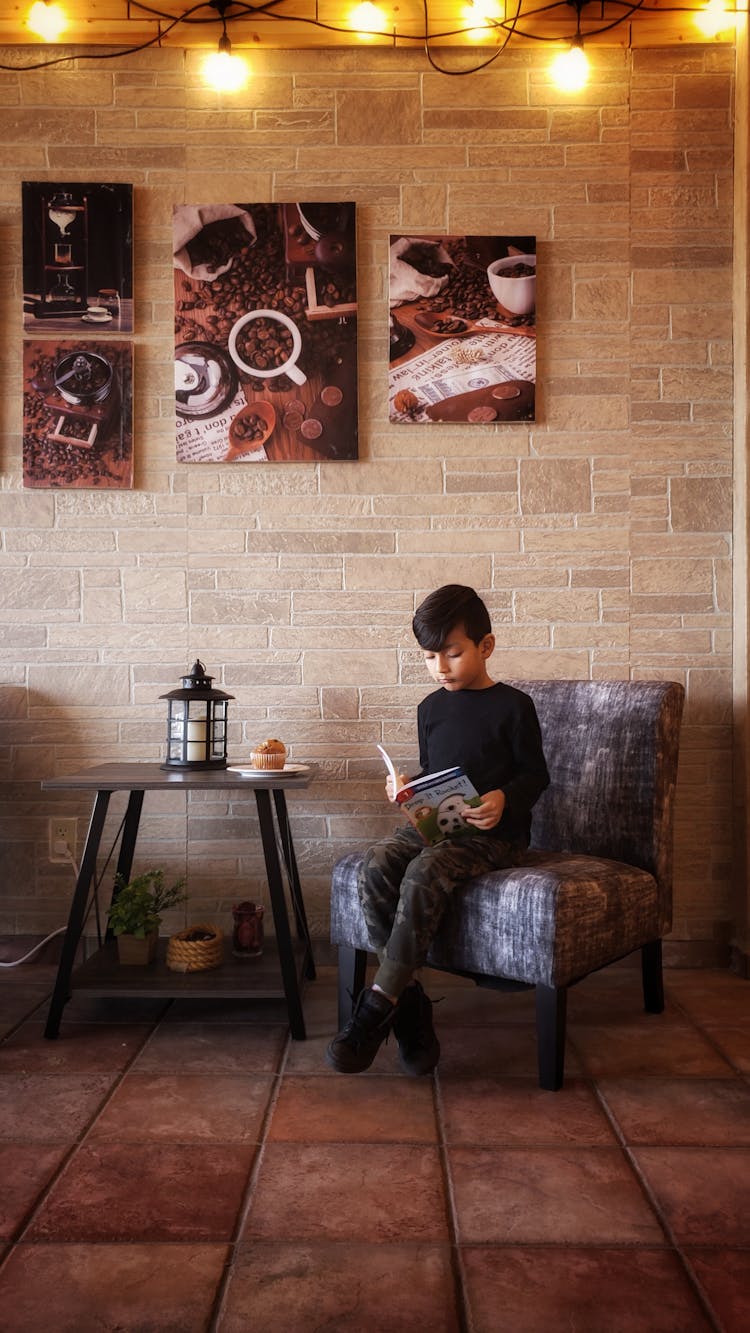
column 433, row 802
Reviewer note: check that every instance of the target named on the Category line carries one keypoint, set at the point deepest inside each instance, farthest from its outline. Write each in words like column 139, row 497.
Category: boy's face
column 460, row 664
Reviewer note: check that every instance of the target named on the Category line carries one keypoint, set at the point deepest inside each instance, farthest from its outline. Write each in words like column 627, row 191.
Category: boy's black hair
column 443, row 610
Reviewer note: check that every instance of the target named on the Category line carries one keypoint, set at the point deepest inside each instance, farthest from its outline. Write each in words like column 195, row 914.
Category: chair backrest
column 611, row 749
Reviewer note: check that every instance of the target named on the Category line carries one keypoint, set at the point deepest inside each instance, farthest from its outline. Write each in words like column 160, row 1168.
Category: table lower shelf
column 236, row 978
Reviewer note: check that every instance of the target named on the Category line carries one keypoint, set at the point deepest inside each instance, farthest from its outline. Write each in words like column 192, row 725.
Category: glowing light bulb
column 570, row 69
column 482, row 14
column 715, row 18
column 224, row 72
column 46, row 20
column 481, row 10
column 368, row 20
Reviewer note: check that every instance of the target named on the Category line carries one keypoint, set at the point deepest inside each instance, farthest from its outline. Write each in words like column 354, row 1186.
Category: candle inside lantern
column 196, row 739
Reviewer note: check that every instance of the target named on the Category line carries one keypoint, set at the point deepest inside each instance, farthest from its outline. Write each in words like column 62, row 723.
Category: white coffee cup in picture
column 98, row 312
column 516, row 293
column 288, row 367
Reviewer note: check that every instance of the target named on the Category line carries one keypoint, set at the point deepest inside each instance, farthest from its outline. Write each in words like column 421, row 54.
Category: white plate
column 96, row 319
column 266, row 772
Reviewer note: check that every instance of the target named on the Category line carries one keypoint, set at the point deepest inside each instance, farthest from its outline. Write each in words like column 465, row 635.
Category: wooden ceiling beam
column 301, row 24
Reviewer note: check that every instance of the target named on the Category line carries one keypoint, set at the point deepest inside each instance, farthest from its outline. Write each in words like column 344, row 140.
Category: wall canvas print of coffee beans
column 462, row 329
column 77, row 414
column 265, row 332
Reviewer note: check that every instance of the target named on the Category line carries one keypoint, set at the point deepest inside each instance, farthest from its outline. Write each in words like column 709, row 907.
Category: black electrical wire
column 509, row 28
column 268, row 10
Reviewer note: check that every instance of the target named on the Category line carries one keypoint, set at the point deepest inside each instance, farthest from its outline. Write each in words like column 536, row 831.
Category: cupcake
column 269, row 754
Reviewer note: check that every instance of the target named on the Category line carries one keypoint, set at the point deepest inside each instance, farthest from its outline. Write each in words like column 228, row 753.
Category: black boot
column 357, row 1044
column 418, row 1046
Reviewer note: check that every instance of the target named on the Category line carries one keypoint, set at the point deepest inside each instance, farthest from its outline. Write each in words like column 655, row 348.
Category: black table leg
column 61, row 992
column 127, row 842
column 290, row 860
column 280, row 915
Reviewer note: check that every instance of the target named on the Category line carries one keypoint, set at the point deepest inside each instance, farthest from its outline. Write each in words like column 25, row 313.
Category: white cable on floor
column 60, row 931
column 17, row 961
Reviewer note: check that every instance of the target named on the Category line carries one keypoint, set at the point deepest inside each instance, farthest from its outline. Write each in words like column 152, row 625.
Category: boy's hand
column 488, row 813
column 390, row 790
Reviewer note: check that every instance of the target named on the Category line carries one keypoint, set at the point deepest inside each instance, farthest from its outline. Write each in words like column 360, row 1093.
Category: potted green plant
column 135, row 914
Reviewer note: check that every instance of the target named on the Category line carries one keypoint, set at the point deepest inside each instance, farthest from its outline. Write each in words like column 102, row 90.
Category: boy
column 492, row 730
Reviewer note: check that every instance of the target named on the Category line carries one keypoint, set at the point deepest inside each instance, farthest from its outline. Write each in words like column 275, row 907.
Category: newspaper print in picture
column 265, row 332
column 462, row 328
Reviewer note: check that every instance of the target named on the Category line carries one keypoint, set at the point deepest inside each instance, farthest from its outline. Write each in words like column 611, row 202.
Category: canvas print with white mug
column 462, row 329
column 265, row 332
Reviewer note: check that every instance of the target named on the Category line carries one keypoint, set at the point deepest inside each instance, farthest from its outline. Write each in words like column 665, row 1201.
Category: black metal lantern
column 196, row 723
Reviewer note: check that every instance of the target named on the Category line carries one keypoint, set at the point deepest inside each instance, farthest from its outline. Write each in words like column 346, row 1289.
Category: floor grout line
column 653, row 1201
column 463, row 1307
column 243, row 1212
column 69, row 1156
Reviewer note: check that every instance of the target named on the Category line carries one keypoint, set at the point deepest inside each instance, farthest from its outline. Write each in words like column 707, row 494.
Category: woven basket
column 185, row 955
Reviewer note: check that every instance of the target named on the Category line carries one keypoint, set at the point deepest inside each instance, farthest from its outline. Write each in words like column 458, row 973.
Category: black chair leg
column 551, row 1008
column 352, row 970
column 653, row 978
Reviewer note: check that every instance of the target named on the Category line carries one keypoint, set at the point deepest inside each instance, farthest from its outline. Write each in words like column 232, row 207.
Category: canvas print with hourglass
column 265, row 332
column 77, row 257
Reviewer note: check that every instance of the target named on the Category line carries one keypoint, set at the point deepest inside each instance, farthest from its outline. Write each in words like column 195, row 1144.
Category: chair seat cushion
column 550, row 921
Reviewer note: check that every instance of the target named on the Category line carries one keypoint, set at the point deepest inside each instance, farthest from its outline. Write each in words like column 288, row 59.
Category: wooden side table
column 237, row 978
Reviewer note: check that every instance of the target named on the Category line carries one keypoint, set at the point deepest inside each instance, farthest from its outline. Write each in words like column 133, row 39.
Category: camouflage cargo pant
column 404, row 888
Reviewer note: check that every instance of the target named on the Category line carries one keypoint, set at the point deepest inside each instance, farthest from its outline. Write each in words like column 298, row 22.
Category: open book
column 434, row 802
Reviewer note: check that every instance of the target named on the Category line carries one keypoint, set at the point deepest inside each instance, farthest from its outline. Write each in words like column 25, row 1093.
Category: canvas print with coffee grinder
column 462, row 329
column 265, row 332
column 77, row 257
column 77, row 414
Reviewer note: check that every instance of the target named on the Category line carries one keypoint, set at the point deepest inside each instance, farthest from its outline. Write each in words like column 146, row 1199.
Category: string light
column 715, row 18
column 570, row 69
column 493, row 22
column 367, row 21
column 223, row 71
column 47, row 20
column 483, row 16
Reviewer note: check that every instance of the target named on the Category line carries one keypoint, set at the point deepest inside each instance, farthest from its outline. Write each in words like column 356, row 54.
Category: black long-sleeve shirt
column 494, row 735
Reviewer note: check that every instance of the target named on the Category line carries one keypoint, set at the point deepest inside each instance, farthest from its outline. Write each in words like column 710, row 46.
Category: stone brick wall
column 600, row 535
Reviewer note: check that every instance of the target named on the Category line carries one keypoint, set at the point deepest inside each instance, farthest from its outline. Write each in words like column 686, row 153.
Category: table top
column 74, row 325
column 152, row 777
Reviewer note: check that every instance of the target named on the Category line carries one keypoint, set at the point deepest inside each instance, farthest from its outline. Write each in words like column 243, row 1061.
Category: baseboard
column 696, row 953
column 739, row 962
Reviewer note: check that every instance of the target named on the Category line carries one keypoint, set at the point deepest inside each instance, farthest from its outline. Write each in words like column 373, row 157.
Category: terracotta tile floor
column 188, row 1167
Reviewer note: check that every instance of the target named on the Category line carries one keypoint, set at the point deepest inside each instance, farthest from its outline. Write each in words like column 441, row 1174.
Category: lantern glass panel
column 219, row 734
column 176, row 719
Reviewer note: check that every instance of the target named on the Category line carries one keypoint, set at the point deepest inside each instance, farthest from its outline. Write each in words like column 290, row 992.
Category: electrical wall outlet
column 62, row 840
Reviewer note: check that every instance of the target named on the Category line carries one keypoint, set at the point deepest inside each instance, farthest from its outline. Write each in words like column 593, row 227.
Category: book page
column 391, row 770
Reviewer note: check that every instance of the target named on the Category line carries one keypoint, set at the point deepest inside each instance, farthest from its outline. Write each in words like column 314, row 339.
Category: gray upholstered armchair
column 597, row 881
